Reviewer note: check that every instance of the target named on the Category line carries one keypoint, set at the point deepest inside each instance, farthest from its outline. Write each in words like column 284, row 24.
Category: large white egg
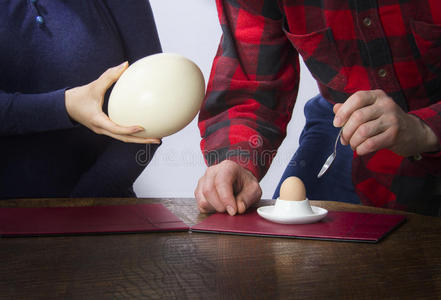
column 162, row 93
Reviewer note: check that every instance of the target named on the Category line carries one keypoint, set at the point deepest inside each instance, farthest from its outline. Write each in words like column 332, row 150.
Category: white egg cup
column 292, row 212
column 292, row 208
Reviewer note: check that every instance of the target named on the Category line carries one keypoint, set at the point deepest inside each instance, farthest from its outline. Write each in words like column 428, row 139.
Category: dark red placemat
column 88, row 220
column 341, row 226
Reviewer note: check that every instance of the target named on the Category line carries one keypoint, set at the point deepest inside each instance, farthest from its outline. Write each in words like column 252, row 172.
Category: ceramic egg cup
column 292, row 212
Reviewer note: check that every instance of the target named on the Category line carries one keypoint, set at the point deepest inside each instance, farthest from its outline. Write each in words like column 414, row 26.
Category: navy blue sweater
column 42, row 152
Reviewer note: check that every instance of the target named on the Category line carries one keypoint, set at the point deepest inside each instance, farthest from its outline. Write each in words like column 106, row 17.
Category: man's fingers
column 356, row 101
column 224, row 181
column 250, row 193
column 374, row 143
column 209, row 191
column 336, row 107
column 203, row 205
column 357, row 119
column 365, row 131
column 217, row 188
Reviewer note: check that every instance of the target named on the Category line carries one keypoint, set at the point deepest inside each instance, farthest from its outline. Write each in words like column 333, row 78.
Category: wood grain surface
column 405, row 265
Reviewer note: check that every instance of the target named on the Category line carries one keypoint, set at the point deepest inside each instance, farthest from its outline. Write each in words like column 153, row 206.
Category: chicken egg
column 292, row 189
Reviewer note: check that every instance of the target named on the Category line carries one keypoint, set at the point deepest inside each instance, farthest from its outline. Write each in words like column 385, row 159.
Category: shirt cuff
column 246, row 158
column 432, row 117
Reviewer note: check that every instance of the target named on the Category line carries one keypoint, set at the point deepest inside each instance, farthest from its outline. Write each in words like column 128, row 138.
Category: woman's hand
column 84, row 104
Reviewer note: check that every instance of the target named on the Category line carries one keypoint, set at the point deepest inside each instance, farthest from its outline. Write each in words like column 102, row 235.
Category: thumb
column 110, row 76
column 249, row 194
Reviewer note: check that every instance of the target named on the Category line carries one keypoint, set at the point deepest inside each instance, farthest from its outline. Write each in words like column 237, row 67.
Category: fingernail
column 230, row 210
column 343, row 142
column 243, row 207
column 138, row 129
column 337, row 122
column 122, row 66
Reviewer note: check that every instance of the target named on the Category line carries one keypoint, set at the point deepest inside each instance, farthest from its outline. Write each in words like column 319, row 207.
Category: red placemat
column 31, row 221
column 340, row 226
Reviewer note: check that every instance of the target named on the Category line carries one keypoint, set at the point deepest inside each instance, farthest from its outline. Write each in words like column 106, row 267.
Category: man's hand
column 373, row 121
column 84, row 104
column 227, row 187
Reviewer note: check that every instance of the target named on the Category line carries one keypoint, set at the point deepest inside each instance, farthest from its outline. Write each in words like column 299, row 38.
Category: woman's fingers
column 102, row 121
column 130, row 138
column 110, row 76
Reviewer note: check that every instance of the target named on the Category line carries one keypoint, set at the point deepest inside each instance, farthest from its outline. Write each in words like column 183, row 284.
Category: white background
column 191, row 28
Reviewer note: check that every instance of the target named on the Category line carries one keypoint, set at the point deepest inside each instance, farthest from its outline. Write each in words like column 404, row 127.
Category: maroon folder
column 341, row 226
column 88, row 220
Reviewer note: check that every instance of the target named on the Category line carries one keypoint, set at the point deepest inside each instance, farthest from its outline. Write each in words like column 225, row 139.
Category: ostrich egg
column 161, row 93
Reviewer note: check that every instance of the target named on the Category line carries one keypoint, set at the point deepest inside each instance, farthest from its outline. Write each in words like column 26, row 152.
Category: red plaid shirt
column 348, row 45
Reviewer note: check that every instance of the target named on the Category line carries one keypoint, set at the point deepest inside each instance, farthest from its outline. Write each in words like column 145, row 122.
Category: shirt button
column 417, row 157
column 367, row 22
column 382, row 73
column 39, row 20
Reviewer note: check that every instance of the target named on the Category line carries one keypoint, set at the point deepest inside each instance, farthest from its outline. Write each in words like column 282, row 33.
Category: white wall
column 191, row 28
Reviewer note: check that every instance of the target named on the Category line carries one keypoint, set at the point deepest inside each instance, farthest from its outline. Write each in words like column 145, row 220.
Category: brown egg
column 292, row 189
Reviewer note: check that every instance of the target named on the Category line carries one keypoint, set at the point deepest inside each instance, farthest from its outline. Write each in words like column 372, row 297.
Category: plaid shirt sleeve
column 429, row 47
column 252, row 87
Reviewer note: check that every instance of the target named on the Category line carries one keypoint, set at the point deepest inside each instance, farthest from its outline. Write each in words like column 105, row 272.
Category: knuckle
column 206, row 190
column 98, row 131
column 358, row 96
column 202, row 203
column 387, row 104
column 93, row 85
column 198, row 193
column 202, row 210
column 370, row 145
column 203, row 207
column 258, row 193
column 228, row 164
column 95, row 120
column 107, row 74
column 198, row 186
column 364, row 130
column 353, row 144
column 210, row 170
column 379, row 93
column 254, row 185
column 358, row 116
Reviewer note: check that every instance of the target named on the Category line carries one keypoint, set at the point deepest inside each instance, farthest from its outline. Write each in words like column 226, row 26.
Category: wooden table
column 405, row 265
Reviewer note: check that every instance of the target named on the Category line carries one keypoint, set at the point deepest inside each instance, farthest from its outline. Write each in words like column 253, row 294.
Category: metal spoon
column 331, row 157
